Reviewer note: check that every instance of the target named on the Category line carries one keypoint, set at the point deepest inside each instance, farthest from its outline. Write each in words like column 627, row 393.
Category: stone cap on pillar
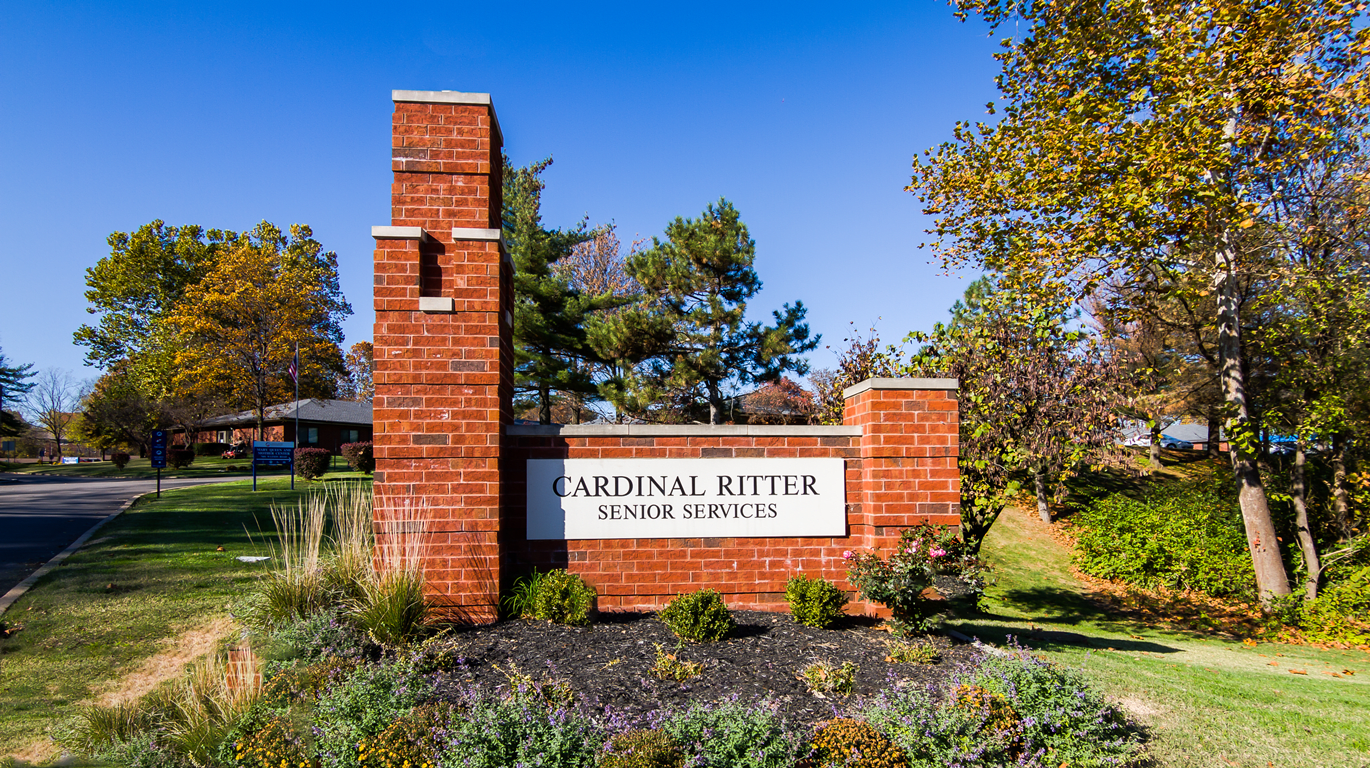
column 401, row 233
column 869, row 384
column 451, row 97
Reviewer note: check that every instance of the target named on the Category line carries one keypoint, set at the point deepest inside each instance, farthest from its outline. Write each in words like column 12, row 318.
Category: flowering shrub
column 1015, row 709
column 848, row 743
column 523, row 729
column 901, row 582
column 734, row 734
column 274, row 745
column 412, row 741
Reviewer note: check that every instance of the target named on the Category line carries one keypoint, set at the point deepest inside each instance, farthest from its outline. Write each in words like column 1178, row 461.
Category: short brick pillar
column 444, row 339
column 909, row 446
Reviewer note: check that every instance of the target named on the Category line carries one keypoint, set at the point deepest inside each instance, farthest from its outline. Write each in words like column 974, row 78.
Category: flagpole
column 297, row 415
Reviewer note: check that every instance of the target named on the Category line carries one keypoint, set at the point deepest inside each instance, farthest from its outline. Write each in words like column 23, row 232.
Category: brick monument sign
column 642, row 512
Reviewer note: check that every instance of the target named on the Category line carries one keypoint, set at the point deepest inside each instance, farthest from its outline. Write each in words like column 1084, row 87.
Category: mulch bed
column 609, row 663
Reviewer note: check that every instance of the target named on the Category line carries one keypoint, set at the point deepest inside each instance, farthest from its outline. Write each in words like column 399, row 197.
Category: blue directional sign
column 158, row 451
column 268, row 453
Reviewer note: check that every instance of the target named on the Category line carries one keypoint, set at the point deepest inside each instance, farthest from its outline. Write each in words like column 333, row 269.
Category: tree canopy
column 1144, row 137
column 690, row 327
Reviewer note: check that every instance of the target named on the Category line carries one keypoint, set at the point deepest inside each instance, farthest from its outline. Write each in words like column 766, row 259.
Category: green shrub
column 846, row 743
column 564, row 598
column 210, row 449
column 360, row 456
column 1341, row 612
column 643, row 749
column 734, row 734
column 312, row 463
column 701, row 616
column 524, row 729
column 180, row 458
column 814, row 602
column 1179, row 536
column 1009, row 708
column 120, row 459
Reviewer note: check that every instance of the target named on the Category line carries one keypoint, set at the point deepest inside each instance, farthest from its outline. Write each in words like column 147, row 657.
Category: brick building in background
column 446, row 446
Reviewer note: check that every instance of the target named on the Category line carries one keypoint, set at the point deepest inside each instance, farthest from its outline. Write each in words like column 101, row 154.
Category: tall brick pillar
column 909, row 446
column 444, row 339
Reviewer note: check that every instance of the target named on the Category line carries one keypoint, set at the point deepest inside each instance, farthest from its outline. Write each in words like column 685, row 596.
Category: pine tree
column 690, row 324
column 552, row 355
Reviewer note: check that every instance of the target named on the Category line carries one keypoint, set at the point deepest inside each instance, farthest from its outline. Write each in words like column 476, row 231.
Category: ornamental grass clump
column 814, row 602
column 392, row 607
column 700, row 616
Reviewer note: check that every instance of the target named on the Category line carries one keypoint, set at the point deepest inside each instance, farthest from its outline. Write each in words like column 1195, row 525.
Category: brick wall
column 444, row 437
column 443, row 339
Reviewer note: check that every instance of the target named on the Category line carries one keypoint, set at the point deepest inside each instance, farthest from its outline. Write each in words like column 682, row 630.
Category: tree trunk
column 1341, row 501
column 1154, row 457
column 1298, row 491
column 1271, row 578
column 544, row 404
column 1214, row 430
column 1039, row 481
column 715, row 404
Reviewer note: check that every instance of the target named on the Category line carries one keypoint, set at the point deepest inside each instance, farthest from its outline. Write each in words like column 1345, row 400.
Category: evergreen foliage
column 690, row 327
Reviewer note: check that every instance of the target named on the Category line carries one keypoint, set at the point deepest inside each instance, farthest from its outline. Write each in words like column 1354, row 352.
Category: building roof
column 311, row 409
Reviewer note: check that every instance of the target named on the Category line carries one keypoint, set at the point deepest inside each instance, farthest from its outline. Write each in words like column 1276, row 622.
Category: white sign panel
column 685, row 498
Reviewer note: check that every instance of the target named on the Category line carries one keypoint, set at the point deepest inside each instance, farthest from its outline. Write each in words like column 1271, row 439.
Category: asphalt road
column 41, row 516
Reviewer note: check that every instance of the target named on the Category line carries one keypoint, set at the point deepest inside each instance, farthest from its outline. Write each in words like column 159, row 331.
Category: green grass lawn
column 148, row 576
column 1206, row 699
column 204, row 466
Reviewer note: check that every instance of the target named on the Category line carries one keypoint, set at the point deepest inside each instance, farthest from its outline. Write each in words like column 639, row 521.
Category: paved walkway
column 40, row 516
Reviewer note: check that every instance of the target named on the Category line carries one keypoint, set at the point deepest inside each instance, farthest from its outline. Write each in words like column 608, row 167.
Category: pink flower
column 848, row 555
column 937, row 552
column 913, row 548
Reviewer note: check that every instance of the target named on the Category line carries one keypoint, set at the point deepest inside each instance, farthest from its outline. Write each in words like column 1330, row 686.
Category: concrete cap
column 870, row 384
column 400, row 233
column 475, row 233
column 680, row 430
column 450, row 97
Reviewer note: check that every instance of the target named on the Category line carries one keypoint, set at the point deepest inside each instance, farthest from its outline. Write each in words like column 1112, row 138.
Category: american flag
column 294, row 369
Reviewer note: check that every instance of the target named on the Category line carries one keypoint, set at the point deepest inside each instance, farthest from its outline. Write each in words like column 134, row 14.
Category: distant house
column 323, row 424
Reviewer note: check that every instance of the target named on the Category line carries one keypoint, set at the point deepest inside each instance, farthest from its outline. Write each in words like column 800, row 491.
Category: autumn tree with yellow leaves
column 239, row 325
column 1149, row 135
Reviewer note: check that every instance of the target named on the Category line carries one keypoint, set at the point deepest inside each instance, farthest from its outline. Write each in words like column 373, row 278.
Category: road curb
column 24, row 586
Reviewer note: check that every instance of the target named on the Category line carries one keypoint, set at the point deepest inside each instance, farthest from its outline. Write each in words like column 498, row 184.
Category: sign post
column 267, row 453
column 159, row 456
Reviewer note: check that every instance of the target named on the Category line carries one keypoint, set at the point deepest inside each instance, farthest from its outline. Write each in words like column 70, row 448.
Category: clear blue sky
column 805, row 116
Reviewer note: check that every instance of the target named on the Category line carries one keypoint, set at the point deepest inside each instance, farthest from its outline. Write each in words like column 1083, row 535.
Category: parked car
column 1171, row 442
